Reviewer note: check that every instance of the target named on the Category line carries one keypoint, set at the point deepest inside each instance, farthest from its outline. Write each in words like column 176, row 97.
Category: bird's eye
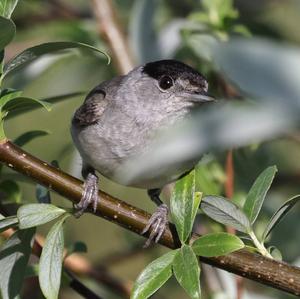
column 165, row 82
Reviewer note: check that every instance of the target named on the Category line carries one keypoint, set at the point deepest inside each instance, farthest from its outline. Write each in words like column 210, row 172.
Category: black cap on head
column 174, row 69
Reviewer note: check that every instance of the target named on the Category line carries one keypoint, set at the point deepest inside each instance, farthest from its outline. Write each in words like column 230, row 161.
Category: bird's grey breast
column 107, row 131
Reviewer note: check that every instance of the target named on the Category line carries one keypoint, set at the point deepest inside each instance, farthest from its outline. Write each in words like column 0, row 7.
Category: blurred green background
column 183, row 30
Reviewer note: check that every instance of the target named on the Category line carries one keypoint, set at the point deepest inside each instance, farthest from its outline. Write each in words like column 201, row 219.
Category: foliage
column 185, row 265
column 14, row 254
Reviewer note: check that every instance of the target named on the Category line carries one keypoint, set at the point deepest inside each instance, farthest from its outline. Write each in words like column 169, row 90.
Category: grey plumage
column 120, row 118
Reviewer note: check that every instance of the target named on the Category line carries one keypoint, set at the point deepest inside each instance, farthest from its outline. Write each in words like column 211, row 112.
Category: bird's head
column 164, row 90
column 173, row 82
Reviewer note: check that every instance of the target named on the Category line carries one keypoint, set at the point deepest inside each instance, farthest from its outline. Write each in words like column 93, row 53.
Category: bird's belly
column 105, row 154
column 110, row 158
column 156, row 178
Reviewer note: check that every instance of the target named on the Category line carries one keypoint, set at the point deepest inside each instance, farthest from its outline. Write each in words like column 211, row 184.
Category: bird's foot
column 157, row 223
column 89, row 195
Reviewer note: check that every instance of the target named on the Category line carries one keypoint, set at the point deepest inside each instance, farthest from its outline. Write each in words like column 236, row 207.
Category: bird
column 118, row 121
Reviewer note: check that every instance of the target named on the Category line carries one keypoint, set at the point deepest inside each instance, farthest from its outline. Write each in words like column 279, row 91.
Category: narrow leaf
column 11, row 100
column 217, row 244
column 257, row 193
column 7, row 32
column 209, row 178
column 50, row 100
column 7, row 94
column 7, row 7
column 37, row 213
column 14, row 257
column 184, row 205
column 225, row 212
column 153, row 276
column 275, row 252
column 35, row 52
column 51, row 260
column 279, row 214
column 187, row 271
column 7, row 222
column 28, row 136
column 23, row 102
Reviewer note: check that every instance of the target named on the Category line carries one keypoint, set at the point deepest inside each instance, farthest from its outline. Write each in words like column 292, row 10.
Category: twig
column 80, row 288
column 229, row 183
column 111, row 31
column 276, row 274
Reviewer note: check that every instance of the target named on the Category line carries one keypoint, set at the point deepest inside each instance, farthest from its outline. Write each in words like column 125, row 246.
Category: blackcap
column 119, row 120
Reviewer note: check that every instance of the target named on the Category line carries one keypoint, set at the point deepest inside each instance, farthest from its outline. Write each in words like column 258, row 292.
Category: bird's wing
column 92, row 108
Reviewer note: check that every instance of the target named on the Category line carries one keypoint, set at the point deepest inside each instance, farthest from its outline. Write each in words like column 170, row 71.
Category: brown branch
column 273, row 273
column 111, row 31
column 80, row 288
column 229, row 183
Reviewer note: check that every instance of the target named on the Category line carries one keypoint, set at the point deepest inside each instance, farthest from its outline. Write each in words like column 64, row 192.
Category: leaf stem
column 260, row 246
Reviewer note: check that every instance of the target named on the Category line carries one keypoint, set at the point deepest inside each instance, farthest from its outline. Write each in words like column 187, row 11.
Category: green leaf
column 21, row 103
column 153, row 276
column 217, row 244
column 10, row 100
column 206, row 178
column 7, row 32
column 218, row 13
column 275, row 252
column 257, row 193
column 7, row 222
column 35, row 214
column 184, row 205
column 187, row 271
column 224, row 211
column 9, row 93
column 28, row 136
column 279, row 214
column 7, row 7
column 242, row 30
column 35, row 52
column 32, row 270
column 14, row 257
column 51, row 100
column 51, row 260
column 11, row 190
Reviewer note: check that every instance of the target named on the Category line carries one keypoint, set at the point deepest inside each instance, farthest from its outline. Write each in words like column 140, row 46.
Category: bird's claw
column 157, row 223
column 89, row 195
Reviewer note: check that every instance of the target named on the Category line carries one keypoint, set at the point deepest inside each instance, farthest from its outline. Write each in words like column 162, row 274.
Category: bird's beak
column 198, row 97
